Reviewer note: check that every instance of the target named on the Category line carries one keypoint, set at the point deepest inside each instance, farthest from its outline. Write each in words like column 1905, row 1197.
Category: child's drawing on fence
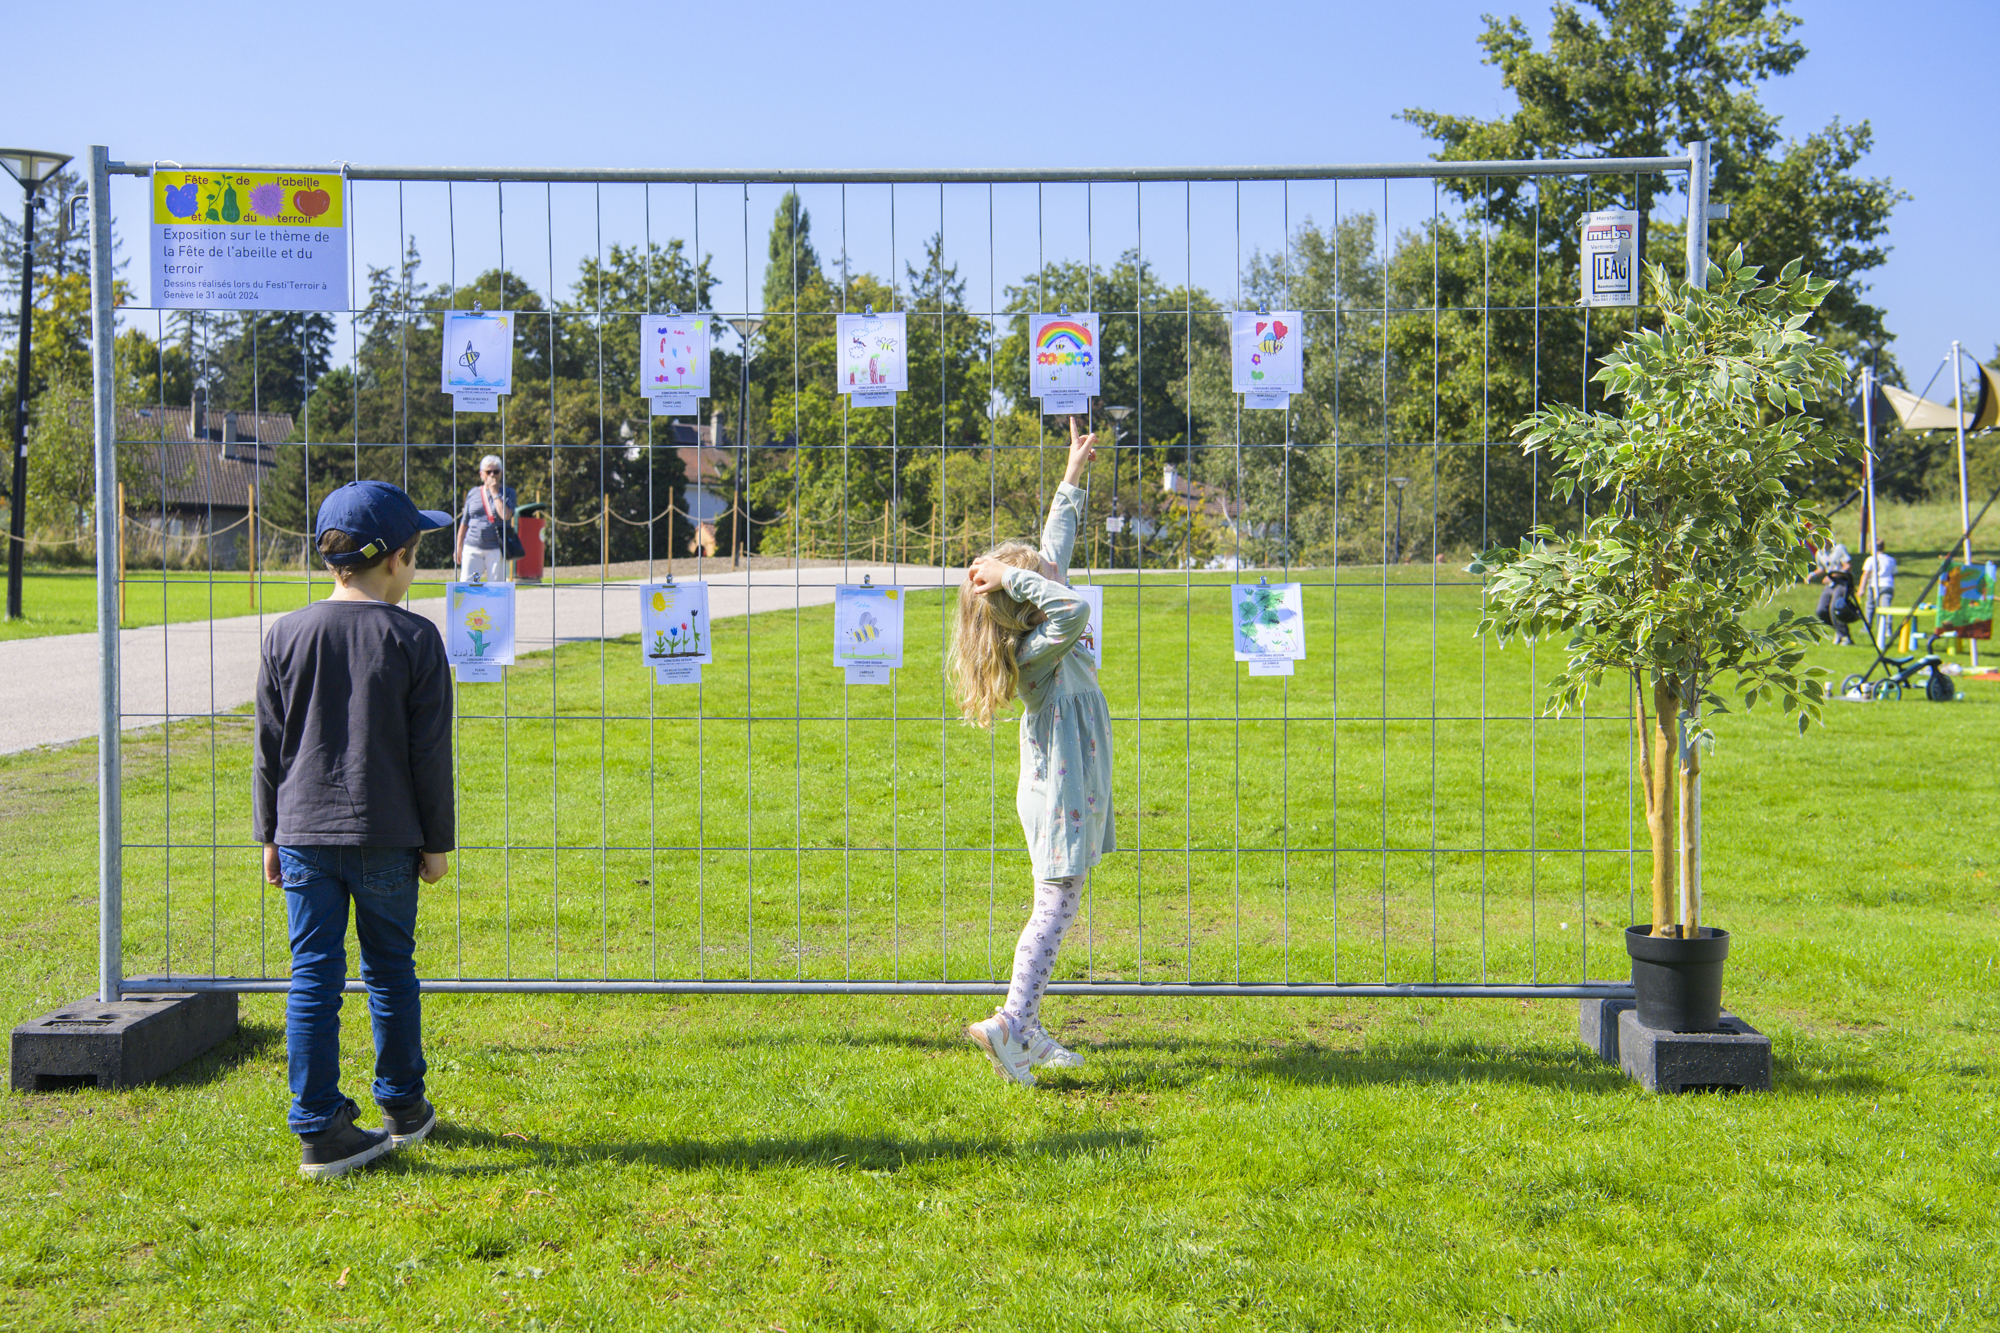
column 867, row 632
column 479, row 629
column 675, row 637
column 1269, row 623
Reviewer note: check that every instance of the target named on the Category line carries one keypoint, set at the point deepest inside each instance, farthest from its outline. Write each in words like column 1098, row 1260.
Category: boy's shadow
column 831, row 1151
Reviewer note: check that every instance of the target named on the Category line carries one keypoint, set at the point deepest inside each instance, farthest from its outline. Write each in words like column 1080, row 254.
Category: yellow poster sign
column 268, row 240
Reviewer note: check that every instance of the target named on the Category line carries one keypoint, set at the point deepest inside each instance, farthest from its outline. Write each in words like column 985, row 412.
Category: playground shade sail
column 1922, row 414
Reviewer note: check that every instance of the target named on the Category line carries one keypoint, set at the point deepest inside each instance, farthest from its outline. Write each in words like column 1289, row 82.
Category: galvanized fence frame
column 111, row 835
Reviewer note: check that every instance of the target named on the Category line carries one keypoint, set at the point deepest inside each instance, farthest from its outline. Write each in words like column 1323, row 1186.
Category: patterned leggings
column 1056, row 904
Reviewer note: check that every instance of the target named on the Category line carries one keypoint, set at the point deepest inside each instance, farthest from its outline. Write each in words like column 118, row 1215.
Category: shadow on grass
column 253, row 1041
column 831, row 1151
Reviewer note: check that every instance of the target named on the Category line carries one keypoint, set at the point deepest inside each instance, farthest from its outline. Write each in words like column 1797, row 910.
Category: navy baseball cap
column 375, row 514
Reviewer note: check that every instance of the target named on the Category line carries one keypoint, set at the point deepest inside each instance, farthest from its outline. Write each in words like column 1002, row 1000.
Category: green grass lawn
column 64, row 601
column 828, row 1162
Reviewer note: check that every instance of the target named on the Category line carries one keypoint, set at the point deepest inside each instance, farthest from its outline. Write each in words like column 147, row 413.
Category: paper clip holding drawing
column 478, row 306
column 867, row 580
column 1263, row 308
column 673, row 307
column 1063, row 309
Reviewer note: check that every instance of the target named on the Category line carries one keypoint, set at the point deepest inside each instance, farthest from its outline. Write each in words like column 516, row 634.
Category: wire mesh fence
column 1397, row 817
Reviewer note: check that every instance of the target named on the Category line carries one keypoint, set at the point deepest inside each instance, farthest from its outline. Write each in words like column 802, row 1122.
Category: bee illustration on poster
column 1064, row 368
column 1267, row 356
column 674, row 635
column 479, row 629
column 867, row 632
column 478, row 358
column 673, row 362
column 874, row 361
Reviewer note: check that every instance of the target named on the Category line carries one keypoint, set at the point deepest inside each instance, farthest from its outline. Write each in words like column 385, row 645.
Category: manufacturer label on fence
column 253, row 240
column 1611, row 257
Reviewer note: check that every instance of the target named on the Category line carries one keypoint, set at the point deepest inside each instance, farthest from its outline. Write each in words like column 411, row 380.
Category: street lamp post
column 744, row 325
column 30, row 168
column 1399, row 483
column 1117, row 415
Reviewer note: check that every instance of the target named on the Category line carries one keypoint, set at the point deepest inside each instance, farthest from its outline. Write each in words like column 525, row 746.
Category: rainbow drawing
column 1063, row 333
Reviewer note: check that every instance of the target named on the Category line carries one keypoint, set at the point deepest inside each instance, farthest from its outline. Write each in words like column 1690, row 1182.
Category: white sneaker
column 1046, row 1050
column 1008, row 1052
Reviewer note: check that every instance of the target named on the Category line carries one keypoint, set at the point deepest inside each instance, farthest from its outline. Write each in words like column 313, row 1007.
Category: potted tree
column 1694, row 521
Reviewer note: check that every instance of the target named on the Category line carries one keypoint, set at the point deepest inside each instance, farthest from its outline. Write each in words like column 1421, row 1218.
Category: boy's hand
column 434, row 867
column 272, row 873
column 987, row 574
column 1082, row 450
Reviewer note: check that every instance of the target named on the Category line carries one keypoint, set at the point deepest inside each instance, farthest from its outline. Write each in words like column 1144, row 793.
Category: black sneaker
column 409, row 1124
column 340, row 1147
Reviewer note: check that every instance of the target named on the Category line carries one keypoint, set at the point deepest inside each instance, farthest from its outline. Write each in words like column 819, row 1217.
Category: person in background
column 1878, row 576
column 481, row 553
column 1838, row 606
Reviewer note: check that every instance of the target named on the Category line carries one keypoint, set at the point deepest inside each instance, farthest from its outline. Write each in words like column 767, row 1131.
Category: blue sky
column 896, row 84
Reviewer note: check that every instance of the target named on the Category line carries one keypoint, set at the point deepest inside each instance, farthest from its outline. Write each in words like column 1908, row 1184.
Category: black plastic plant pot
column 1678, row 983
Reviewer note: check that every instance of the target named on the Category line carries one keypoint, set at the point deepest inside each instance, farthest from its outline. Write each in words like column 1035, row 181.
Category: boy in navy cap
column 353, row 803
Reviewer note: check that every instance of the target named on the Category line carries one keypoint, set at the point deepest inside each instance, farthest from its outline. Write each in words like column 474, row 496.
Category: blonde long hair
column 985, row 675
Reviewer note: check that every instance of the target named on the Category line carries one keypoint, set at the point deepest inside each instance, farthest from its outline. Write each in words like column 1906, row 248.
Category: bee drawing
column 866, row 629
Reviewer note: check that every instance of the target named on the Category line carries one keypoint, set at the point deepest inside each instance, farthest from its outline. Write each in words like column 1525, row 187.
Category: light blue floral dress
column 1064, row 798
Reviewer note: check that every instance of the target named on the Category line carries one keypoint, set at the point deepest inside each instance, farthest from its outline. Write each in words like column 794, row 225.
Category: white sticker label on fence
column 874, row 361
column 868, row 627
column 1269, row 623
column 1267, row 353
column 677, row 673
column 1611, row 257
column 478, row 352
column 475, row 400
column 1091, row 645
column 866, row 674
column 674, row 631
column 680, row 403
column 1063, row 364
column 1270, row 666
column 1267, row 398
column 249, row 240
column 479, row 627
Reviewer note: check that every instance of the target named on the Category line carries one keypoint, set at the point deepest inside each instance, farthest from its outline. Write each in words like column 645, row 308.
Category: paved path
column 201, row 667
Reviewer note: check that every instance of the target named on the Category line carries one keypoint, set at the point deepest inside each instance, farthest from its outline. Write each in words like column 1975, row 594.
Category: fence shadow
column 830, row 1151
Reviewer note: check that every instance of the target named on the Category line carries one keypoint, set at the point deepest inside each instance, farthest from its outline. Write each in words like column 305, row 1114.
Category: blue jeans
column 382, row 884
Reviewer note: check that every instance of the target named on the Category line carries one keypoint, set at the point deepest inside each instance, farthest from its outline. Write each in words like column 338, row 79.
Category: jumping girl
column 1017, row 624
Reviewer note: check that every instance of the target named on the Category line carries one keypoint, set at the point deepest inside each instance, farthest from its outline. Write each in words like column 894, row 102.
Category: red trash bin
column 528, row 569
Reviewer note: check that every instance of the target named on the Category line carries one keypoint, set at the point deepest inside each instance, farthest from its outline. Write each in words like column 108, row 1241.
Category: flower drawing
column 477, row 622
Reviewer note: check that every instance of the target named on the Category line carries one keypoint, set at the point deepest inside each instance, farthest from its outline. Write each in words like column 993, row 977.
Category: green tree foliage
column 1694, row 518
column 1624, row 78
column 569, row 437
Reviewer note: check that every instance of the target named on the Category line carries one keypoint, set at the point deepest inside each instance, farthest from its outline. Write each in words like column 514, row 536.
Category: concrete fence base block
column 1736, row 1057
column 90, row 1044
column 1597, row 1026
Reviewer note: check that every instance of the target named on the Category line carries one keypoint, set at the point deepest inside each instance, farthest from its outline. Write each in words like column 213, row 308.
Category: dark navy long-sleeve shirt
column 354, row 730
